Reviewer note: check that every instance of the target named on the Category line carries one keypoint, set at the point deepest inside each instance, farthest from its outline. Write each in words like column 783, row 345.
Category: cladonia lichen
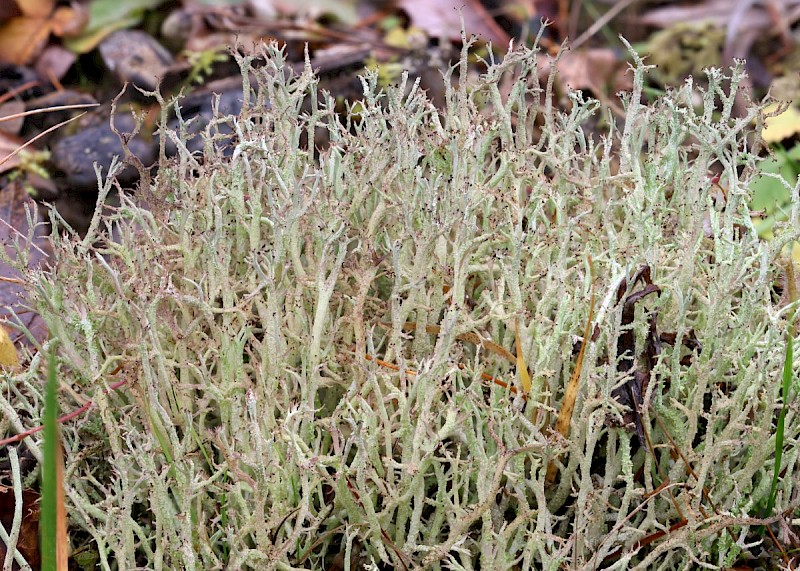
column 318, row 341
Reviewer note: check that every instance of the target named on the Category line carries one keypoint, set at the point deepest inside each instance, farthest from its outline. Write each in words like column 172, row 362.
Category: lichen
column 300, row 331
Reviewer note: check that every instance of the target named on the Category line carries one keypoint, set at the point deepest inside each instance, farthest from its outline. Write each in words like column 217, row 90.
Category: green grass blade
column 48, row 522
column 779, row 429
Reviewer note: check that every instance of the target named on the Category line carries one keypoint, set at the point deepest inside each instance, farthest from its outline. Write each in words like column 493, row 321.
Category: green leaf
column 107, row 16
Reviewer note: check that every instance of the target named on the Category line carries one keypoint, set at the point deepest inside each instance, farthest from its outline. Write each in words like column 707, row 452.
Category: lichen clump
column 315, row 342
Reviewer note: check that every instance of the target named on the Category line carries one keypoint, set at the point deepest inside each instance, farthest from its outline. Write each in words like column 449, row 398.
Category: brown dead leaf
column 588, row 68
column 24, row 37
column 10, row 124
column 28, row 541
column 631, row 393
column 67, row 22
column 36, row 8
column 442, row 19
column 8, row 144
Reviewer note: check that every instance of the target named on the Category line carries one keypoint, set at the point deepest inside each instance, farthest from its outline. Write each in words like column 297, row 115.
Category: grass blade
column 53, row 523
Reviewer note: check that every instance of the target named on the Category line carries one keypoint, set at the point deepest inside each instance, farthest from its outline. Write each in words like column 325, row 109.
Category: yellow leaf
column 783, row 126
column 571, row 392
column 22, row 38
column 522, row 367
column 8, row 354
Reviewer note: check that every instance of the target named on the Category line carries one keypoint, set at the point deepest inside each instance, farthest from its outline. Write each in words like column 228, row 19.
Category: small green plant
column 202, row 62
column 786, row 384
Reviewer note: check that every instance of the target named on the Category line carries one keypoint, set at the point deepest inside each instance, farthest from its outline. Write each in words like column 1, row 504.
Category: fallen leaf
column 11, row 118
column 107, row 16
column 8, row 354
column 28, row 541
column 783, row 126
column 588, row 68
column 522, row 366
column 8, row 144
column 36, row 8
column 24, row 37
column 14, row 228
column 443, row 19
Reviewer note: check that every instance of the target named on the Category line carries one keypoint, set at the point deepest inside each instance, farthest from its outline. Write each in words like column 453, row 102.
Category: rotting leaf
column 445, row 19
column 14, row 228
column 632, row 392
column 24, row 37
column 28, row 540
column 8, row 354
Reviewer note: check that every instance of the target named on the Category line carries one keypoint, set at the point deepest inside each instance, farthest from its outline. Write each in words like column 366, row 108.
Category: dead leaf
column 442, row 19
column 28, row 541
column 571, row 392
column 588, row 68
column 11, row 120
column 631, row 393
column 23, row 38
column 8, row 144
column 8, row 354
column 14, row 228
column 36, row 8
column 782, row 126
column 522, row 366
column 10, row 124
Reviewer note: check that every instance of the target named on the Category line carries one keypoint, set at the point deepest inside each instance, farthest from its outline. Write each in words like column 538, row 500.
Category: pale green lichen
column 249, row 305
